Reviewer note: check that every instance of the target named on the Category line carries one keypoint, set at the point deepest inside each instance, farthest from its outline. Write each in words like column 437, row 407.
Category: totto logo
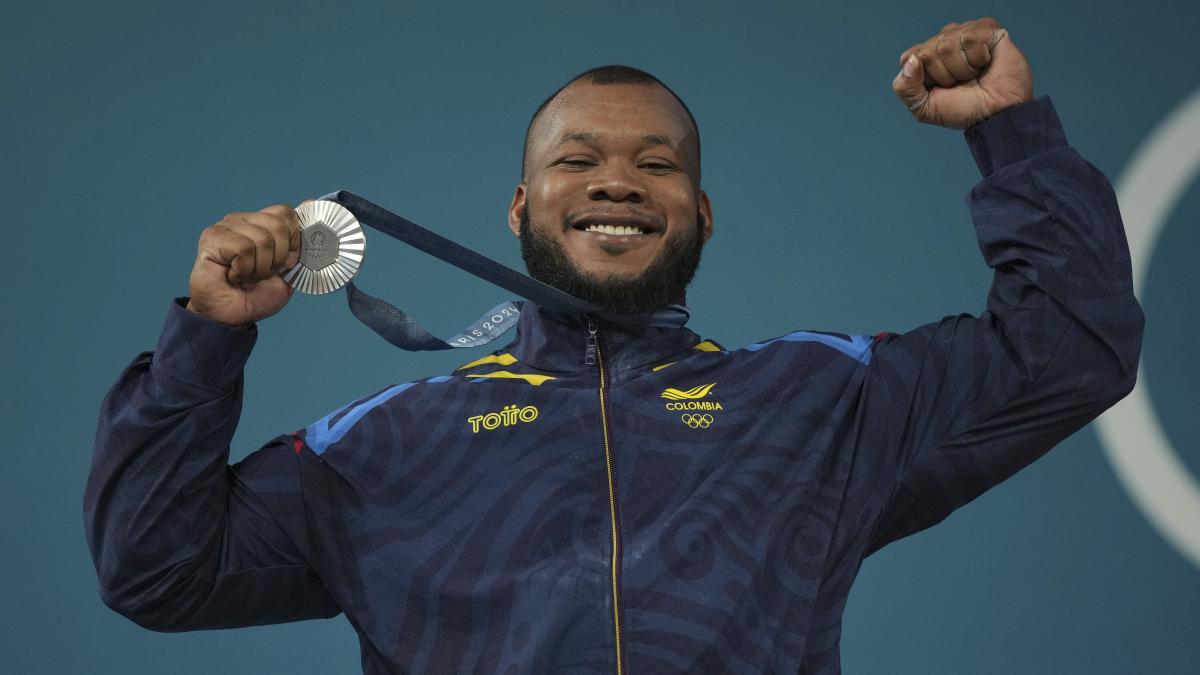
column 510, row 415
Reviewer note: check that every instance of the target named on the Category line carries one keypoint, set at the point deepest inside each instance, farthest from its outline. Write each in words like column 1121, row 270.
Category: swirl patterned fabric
column 531, row 513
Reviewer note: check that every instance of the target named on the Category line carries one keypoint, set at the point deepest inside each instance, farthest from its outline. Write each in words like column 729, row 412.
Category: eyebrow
column 591, row 138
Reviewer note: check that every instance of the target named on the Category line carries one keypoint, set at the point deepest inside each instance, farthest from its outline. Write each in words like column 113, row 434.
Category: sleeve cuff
column 1016, row 134
column 202, row 351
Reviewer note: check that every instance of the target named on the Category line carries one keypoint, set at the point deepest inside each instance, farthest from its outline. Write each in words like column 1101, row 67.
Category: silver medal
column 332, row 245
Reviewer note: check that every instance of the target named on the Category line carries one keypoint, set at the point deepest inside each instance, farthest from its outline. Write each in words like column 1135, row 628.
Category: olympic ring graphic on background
column 697, row 421
column 1147, row 466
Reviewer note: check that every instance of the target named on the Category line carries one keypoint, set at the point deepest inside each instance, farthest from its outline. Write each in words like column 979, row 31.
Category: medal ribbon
column 405, row 332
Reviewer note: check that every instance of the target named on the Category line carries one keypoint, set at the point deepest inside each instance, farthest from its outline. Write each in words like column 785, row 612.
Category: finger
column 284, row 229
column 909, row 85
column 231, row 249
column 276, row 226
column 263, row 255
column 936, row 73
column 289, row 222
column 973, row 41
column 989, row 31
column 950, row 53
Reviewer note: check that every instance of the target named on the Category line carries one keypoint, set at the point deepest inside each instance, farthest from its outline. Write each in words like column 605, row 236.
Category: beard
column 662, row 283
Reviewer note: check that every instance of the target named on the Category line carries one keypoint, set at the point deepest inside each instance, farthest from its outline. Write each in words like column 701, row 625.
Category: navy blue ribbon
column 405, row 332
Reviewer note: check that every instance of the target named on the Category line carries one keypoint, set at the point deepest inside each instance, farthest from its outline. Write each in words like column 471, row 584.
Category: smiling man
column 608, row 494
column 610, row 208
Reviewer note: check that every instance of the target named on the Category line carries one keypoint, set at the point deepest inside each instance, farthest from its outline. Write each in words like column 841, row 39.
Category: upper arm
column 250, row 568
column 970, row 400
column 180, row 539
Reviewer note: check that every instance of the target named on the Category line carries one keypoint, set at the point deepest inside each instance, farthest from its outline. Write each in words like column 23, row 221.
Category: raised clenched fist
column 236, row 278
column 963, row 75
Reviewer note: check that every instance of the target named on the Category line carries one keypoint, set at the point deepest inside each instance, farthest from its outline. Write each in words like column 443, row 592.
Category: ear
column 707, row 214
column 514, row 210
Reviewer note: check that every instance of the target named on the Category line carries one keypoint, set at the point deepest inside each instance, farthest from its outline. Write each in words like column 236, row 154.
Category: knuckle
column 277, row 233
column 279, row 212
column 267, row 222
column 214, row 233
column 287, row 218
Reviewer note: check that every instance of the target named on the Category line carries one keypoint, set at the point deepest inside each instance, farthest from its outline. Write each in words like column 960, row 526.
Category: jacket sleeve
column 971, row 400
column 180, row 539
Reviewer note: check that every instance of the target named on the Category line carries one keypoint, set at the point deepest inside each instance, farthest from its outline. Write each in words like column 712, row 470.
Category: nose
column 616, row 184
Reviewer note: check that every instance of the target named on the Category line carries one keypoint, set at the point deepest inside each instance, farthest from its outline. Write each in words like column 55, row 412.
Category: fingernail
column 910, row 66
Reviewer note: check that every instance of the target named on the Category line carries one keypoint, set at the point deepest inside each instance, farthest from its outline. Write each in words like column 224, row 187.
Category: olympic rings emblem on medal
column 697, row 421
column 332, row 246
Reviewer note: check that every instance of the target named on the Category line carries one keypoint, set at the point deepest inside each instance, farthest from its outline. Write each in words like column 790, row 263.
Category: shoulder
column 858, row 347
column 334, row 426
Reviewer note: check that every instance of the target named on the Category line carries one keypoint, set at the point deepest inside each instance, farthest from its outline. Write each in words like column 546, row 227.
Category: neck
column 552, row 341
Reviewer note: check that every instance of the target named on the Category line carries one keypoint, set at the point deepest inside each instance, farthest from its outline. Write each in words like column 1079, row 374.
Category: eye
column 576, row 162
column 657, row 167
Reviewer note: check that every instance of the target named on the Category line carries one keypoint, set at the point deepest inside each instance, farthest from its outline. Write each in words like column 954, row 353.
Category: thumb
column 909, row 86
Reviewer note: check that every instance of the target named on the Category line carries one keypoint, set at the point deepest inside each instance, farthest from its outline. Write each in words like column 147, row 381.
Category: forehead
column 611, row 111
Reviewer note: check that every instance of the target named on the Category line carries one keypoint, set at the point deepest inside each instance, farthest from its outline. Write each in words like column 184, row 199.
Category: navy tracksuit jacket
column 656, row 504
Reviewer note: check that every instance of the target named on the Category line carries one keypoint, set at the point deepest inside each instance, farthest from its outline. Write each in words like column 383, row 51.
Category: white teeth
column 620, row 230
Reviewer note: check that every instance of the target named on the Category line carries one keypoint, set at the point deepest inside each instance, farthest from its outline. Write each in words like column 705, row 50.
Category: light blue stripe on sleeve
column 857, row 348
column 320, row 435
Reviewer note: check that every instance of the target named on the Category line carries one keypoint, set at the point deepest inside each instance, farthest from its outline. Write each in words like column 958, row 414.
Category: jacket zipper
column 595, row 355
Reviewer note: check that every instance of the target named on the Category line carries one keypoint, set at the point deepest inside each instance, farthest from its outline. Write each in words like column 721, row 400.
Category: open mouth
column 617, row 226
column 617, row 230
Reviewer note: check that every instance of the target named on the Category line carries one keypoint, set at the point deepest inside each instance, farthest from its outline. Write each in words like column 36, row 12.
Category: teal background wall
column 129, row 127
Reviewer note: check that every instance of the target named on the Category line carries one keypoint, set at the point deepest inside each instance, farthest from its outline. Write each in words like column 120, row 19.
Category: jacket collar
column 550, row 341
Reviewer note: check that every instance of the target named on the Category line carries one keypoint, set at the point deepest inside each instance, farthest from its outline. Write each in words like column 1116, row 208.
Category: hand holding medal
column 242, row 261
column 235, row 279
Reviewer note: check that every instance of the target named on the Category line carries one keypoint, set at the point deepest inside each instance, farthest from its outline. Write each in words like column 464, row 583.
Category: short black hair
column 611, row 74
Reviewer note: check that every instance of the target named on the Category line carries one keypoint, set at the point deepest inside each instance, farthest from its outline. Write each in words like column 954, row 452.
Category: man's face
column 610, row 205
